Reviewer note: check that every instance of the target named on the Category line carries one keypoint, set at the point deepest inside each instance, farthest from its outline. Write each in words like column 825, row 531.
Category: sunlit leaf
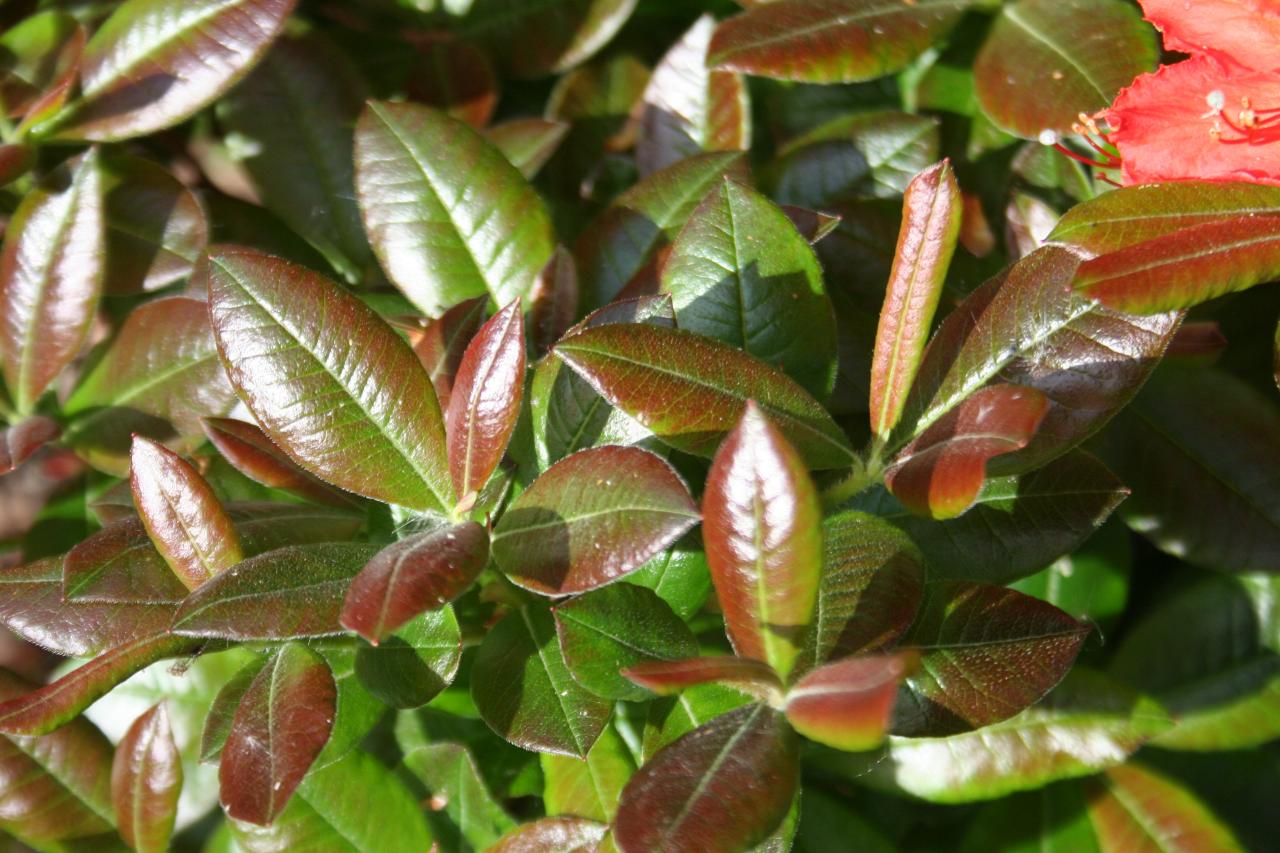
column 552, row 36
column 251, row 453
column 589, row 787
column 669, row 677
column 441, row 344
column 847, row 704
column 1132, row 807
column 146, row 778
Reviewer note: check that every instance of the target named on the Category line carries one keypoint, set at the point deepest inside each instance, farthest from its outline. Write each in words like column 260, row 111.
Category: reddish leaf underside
column 667, row 678
column 1133, row 808
column 283, row 722
column 762, row 529
column 146, row 779
column 847, row 704
column 941, row 472
column 253, row 454
column 420, row 572
column 21, row 440
column 553, row 301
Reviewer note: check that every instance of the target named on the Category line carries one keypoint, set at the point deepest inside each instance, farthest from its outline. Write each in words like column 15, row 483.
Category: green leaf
column 448, row 216
column 762, row 525
column 1017, row 525
column 528, row 143
column 1087, row 724
column 156, row 227
column 831, row 822
column 589, row 787
column 281, row 725
column 1092, row 581
column 450, row 774
column 158, row 377
column 930, row 228
column 679, row 576
column 740, row 272
column 986, row 653
column 831, row 41
column 146, row 779
column 691, row 390
column 1132, row 807
column 57, row 786
column 304, row 355
column 615, row 627
column 1045, row 61
column 1051, row 820
column 290, row 592
column 1203, row 475
column 152, row 65
column 32, row 57
column 623, row 240
column 871, row 586
column 411, row 666
column 349, row 807
column 672, row 718
column 294, row 116
column 592, row 518
column 689, row 797
column 51, row 274
column 689, row 108
column 524, row 691
column 552, row 36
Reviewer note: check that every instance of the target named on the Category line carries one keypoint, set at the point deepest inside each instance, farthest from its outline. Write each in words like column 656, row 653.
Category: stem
column 860, row 478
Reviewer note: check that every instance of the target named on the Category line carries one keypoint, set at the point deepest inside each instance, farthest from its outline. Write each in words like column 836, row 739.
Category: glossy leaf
column 589, row 787
column 156, row 227
column 986, row 653
column 689, row 798
column 1092, row 582
column 1087, row 724
column 152, row 65
column 689, row 108
column 623, row 240
column 830, row 41
column 1045, row 62
column 1186, row 267
column 22, row 440
column 553, row 36
column 294, row 115
column 441, row 344
column 740, row 272
column 592, row 518
column 941, row 472
column 1203, row 478
column 283, row 594
column 1017, row 524
column 305, row 355
column 57, row 786
column 251, row 453
column 871, row 586
column 528, row 143
column 1132, row 807
column 158, row 378
column 51, row 273
column 450, row 774
column 448, row 216
column 222, row 711
column 454, row 76
column 619, row 626
column 485, row 400
column 930, row 229
column 547, row 711
column 1026, row 327
column 282, row 723
column 146, row 778
column 762, row 529
column 182, row 515
column 421, row 572
column 679, row 576
column 847, row 704
column 48, row 707
column 746, row 675
column 568, row 834
column 410, row 667
column 691, row 390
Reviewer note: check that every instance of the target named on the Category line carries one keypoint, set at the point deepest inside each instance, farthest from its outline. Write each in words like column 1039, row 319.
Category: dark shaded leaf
column 831, row 41
column 525, row 693
column 146, row 779
column 251, row 453
column 553, row 302
column 1135, row 808
column 592, row 518
column 185, row 520
column 528, row 143
column 552, row 36
column 283, row 721
column 484, row 402
column 448, row 216
column 746, row 675
column 420, row 572
column 51, row 273
column 295, row 115
column 691, row 390
column 410, row 667
column 689, row 798
column 304, row 354
column 740, row 272
column 1046, row 61
column 930, row 228
column 847, row 704
column 290, row 592
column 1049, row 820
column 152, row 65
column 456, row 77
column 32, row 53
column 441, row 344
column 156, row 227
column 689, row 108
column 986, row 653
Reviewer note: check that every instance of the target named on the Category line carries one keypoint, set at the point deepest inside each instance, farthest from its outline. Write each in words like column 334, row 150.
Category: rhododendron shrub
column 594, row 425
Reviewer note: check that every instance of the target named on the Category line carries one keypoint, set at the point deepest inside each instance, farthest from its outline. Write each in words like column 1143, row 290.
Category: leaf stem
column 860, row 478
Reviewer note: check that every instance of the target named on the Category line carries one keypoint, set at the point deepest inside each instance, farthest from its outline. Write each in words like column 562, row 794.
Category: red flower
column 1243, row 32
